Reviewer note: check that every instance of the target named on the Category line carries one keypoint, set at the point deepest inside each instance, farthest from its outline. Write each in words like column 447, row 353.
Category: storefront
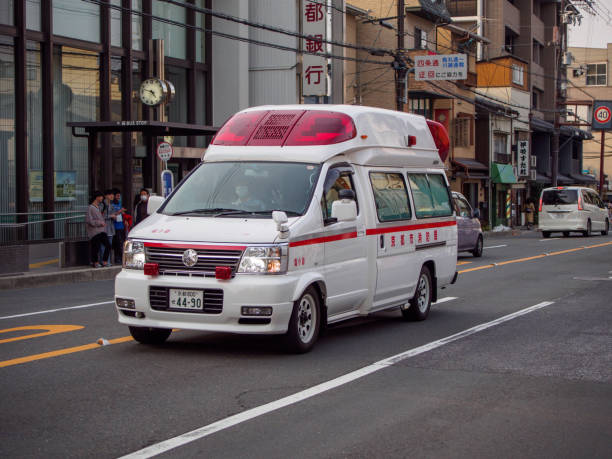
column 503, row 205
column 66, row 61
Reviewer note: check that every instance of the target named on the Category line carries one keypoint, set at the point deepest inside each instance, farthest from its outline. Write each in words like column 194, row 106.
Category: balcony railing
column 503, row 158
column 462, row 7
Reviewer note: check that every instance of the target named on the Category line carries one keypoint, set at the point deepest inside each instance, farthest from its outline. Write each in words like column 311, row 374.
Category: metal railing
column 64, row 225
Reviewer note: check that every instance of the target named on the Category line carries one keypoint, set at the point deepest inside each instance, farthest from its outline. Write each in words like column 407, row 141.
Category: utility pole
column 400, row 65
column 558, row 96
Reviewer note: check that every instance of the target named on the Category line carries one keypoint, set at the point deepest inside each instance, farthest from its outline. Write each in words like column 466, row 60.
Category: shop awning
column 583, row 179
column 541, row 178
column 470, row 164
column 564, row 179
column 539, row 125
column 502, row 173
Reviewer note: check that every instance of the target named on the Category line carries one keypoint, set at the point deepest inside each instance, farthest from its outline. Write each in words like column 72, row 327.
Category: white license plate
column 190, row 300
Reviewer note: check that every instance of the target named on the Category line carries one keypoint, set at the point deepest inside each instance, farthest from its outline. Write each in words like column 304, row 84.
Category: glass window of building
column 76, row 97
column 200, row 36
column 596, row 74
column 200, row 106
column 34, row 139
column 177, row 109
column 137, row 25
column 6, row 12
column 33, row 14
column 115, row 14
column 174, row 36
column 80, row 20
column 7, row 133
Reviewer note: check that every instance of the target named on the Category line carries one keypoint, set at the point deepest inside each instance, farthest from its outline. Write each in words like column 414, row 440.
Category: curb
column 28, row 280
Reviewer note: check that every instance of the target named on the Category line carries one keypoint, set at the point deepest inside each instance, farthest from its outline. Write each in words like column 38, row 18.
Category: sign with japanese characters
column 602, row 115
column 522, row 160
column 314, row 67
column 440, row 67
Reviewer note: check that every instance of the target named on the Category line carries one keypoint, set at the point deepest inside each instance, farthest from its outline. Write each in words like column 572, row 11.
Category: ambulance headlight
column 133, row 254
column 264, row 260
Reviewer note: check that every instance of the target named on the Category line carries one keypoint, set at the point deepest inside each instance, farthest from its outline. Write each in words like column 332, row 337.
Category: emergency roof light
column 440, row 136
column 286, row 128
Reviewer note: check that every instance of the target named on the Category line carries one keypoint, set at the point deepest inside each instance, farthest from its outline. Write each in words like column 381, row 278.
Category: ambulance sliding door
column 396, row 274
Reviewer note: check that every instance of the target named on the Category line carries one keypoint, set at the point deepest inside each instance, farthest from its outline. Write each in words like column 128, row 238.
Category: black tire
column 545, row 234
column 305, row 322
column 150, row 335
column 421, row 301
column 566, row 233
column 588, row 232
column 605, row 232
column 477, row 252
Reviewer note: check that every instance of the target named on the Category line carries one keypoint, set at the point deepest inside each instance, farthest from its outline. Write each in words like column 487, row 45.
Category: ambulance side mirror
column 345, row 209
column 154, row 203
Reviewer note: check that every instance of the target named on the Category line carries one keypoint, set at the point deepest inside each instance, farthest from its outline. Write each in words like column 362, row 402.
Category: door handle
column 382, row 241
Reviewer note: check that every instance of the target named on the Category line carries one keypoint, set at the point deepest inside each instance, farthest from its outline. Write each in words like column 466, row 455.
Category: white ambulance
column 298, row 216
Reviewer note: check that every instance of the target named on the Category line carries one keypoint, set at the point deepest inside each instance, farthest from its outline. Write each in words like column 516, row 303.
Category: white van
column 298, row 216
column 572, row 208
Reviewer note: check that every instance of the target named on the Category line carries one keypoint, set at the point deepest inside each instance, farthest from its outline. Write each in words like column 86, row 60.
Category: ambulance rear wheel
column 421, row 301
column 305, row 322
column 150, row 335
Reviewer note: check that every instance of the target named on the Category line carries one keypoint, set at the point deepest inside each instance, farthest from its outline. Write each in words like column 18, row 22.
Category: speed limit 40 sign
column 602, row 115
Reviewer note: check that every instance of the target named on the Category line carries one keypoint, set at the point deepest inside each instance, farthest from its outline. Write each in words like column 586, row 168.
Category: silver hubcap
column 306, row 317
column 423, row 294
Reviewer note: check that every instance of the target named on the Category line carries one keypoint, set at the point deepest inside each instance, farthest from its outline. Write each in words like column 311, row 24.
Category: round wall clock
column 153, row 91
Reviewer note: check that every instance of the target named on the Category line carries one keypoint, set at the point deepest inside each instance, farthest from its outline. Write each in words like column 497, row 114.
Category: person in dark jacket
column 140, row 211
column 95, row 230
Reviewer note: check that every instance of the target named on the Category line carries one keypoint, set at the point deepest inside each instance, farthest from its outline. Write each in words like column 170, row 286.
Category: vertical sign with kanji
column 314, row 68
column 522, row 160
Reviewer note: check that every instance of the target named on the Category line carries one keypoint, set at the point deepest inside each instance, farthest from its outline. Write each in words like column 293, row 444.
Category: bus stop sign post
column 164, row 152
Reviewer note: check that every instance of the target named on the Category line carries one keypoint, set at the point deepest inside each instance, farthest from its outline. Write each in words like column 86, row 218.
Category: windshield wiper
column 212, row 210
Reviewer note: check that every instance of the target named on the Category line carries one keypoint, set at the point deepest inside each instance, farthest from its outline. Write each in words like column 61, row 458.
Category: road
column 485, row 375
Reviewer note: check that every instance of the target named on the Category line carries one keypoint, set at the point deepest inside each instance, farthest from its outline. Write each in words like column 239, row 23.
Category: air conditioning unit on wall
column 533, row 174
column 534, row 160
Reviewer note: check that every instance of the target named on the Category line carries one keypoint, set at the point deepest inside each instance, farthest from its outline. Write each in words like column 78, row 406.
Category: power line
column 235, row 37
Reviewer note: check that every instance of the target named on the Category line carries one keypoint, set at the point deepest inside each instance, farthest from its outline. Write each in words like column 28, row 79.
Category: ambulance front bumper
column 150, row 308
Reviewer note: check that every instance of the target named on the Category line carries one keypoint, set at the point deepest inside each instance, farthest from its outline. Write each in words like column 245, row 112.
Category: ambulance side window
column 336, row 180
column 390, row 196
column 431, row 195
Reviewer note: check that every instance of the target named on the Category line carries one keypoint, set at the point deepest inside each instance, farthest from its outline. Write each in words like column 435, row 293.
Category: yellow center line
column 459, row 263
column 51, row 330
column 69, row 350
column 40, row 264
column 544, row 255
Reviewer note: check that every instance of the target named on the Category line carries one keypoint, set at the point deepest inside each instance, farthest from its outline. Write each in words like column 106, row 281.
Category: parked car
column 469, row 232
column 572, row 208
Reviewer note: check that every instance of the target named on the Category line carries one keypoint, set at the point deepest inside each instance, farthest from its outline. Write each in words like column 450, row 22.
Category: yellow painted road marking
column 544, row 255
column 459, row 263
column 40, row 264
column 51, row 330
column 69, row 350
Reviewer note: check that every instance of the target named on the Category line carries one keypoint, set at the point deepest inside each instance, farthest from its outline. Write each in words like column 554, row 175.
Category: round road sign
column 164, row 151
column 602, row 114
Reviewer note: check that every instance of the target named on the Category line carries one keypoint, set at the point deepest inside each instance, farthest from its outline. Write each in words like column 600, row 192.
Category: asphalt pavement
column 485, row 375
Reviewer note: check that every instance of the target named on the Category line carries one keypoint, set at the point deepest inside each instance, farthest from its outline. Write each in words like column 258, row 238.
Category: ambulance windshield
column 239, row 189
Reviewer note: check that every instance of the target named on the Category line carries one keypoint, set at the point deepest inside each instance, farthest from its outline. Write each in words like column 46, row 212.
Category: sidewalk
column 53, row 275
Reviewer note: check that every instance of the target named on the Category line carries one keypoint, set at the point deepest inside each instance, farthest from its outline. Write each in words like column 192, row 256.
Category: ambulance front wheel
column 305, row 322
column 419, row 305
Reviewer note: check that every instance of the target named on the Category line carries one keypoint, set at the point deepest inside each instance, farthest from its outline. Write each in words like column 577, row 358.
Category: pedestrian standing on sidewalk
column 530, row 214
column 109, row 219
column 119, row 237
column 95, row 229
column 140, row 211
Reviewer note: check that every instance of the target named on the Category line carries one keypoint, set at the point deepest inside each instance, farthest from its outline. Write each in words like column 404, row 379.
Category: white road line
column 82, row 306
column 495, row 246
column 551, row 239
column 247, row 415
column 445, row 299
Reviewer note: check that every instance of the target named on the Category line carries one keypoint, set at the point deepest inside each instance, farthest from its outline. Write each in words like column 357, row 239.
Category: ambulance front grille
column 170, row 261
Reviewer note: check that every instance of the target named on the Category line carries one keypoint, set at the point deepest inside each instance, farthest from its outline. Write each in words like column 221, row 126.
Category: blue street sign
column 167, row 179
